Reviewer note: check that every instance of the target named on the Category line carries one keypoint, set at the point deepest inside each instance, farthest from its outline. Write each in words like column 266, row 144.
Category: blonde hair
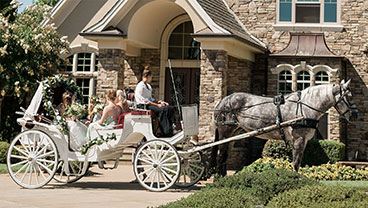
column 120, row 95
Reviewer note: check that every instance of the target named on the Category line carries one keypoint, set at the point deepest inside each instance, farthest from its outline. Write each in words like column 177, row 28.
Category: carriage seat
column 120, row 124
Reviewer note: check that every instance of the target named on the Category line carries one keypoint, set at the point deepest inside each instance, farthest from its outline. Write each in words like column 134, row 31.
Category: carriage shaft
column 245, row 135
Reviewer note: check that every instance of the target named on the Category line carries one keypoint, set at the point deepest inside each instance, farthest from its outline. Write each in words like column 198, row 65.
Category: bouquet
column 76, row 110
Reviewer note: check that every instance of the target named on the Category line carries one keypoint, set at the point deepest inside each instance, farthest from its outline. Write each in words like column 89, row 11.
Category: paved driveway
column 105, row 188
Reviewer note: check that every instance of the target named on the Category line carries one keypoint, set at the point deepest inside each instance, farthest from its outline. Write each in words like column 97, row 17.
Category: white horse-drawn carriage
column 41, row 152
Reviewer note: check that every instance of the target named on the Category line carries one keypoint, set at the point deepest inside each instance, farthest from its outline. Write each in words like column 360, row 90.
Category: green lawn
column 3, row 168
column 361, row 185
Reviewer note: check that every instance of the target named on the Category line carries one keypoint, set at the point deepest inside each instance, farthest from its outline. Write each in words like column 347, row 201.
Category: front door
column 186, row 83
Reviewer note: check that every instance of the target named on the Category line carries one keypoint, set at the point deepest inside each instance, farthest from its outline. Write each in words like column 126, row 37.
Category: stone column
column 111, row 70
column 214, row 64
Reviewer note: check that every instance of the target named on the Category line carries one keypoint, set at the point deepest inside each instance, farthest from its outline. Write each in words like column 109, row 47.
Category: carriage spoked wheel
column 77, row 170
column 32, row 159
column 157, row 165
column 191, row 169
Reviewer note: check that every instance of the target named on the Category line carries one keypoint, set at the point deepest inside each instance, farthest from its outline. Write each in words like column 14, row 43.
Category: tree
column 29, row 51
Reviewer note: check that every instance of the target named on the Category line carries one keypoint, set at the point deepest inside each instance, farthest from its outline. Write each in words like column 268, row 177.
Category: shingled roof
column 225, row 18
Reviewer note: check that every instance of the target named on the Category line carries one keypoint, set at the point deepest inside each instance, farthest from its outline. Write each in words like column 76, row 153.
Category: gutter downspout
column 345, row 134
column 266, row 73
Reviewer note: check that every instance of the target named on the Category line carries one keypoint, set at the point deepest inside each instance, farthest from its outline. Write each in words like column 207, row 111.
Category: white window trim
column 322, row 26
column 302, row 67
column 92, row 74
column 284, row 81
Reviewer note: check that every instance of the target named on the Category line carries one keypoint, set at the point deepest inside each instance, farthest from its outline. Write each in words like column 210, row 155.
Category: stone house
column 217, row 47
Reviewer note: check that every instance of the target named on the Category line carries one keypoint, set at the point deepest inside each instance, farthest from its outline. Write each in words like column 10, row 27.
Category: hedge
column 320, row 196
column 4, row 146
column 263, row 185
column 216, row 197
column 323, row 172
column 317, row 152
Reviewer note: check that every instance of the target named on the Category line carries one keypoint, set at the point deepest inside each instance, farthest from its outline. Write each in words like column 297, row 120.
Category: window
column 84, row 62
column 308, row 11
column 322, row 78
column 303, row 80
column 83, row 83
column 82, row 67
column 285, row 82
column 181, row 43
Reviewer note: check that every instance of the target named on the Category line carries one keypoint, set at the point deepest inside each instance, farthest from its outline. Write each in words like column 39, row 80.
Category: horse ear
column 342, row 82
column 346, row 85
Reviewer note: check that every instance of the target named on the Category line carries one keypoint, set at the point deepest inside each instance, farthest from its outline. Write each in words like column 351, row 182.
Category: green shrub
column 263, row 185
column 216, row 197
column 320, row 196
column 320, row 152
column 323, row 172
column 4, row 146
column 317, row 152
column 277, row 149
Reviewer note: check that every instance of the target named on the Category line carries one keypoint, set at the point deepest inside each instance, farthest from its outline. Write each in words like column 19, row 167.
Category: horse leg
column 298, row 151
column 221, row 159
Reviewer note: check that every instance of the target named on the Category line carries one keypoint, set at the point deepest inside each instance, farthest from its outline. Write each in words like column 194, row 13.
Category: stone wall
column 258, row 16
column 239, row 74
column 135, row 65
column 110, row 70
column 214, row 64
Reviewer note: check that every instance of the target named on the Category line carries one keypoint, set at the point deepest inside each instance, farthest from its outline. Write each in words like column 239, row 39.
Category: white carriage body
column 136, row 127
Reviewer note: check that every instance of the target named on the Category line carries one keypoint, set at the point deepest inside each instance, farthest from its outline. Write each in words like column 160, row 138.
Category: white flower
column 58, row 118
column 16, row 83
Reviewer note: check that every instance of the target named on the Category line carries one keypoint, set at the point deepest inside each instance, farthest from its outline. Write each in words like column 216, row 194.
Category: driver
column 144, row 100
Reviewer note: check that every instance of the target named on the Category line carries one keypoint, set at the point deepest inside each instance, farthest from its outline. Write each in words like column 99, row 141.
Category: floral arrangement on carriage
column 53, row 88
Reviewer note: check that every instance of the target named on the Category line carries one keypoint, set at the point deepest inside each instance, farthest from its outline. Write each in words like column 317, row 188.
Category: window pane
column 188, row 28
column 96, row 63
column 83, row 83
column 69, row 63
column 285, row 10
column 330, row 11
column 181, row 43
column 179, row 29
column 307, row 13
column 84, row 62
column 176, row 40
column 175, row 53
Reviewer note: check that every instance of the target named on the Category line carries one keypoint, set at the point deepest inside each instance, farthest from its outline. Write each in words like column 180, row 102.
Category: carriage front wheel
column 157, row 165
column 32, row 159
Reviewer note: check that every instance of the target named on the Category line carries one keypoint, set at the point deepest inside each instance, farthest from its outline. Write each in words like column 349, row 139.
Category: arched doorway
column 184, row 49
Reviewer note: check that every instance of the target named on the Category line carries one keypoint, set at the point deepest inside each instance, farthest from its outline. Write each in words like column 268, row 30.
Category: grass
column 3, row 168
column 361, row 185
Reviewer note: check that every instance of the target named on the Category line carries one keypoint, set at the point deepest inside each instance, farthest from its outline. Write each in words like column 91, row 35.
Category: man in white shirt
column 144, row 100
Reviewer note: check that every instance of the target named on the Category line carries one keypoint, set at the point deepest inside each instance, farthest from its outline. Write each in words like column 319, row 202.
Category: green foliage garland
column 97, row 141
column 49, row 85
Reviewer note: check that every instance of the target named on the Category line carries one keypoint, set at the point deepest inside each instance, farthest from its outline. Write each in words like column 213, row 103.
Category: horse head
column 344, row 104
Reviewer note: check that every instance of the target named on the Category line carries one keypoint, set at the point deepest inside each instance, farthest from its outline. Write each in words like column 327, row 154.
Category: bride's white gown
column 77, row 133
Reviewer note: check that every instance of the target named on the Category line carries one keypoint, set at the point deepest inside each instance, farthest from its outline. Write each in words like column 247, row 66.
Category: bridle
column 344, row 98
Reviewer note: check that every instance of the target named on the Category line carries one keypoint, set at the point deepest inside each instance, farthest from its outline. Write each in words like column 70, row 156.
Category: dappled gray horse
column 251, row 112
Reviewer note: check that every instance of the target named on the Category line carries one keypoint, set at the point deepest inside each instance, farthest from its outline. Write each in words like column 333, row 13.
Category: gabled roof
column 223, row 16
column 306, row 45
column 220, row 18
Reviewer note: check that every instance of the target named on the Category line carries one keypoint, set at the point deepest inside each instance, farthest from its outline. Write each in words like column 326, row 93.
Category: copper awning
column 306, row 45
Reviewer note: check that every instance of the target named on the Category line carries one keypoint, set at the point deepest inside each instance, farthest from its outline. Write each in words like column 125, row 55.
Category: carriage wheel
column 76, row 169
column 32, row 159
column 157, row 165
column 191, row 169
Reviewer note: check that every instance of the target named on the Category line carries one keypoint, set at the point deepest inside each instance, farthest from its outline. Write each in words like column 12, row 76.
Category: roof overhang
column 233, row 45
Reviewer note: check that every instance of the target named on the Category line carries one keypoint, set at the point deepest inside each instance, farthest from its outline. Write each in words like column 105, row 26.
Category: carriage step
column 101, row 165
